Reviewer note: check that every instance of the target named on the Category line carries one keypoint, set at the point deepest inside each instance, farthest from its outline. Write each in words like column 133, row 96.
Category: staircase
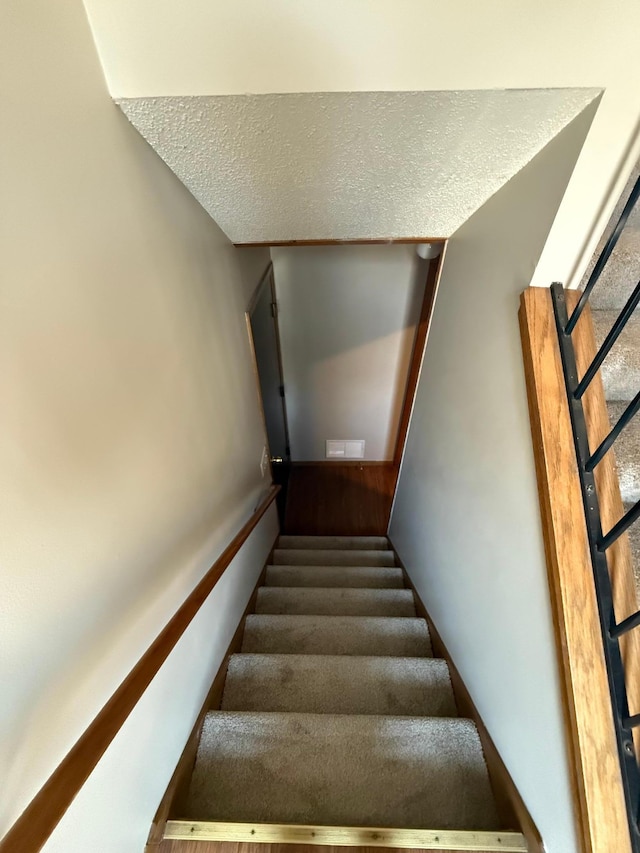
column 336, row 714
column 621, row 369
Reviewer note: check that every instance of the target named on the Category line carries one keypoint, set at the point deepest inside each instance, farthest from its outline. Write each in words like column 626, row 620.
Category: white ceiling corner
column 350, row 165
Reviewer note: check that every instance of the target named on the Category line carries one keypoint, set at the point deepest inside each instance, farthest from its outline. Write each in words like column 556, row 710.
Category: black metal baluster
column 626, row 625
column 609, row 341
column 631, row 410
column 604, row 257
column 618, row 529
column 604, row 594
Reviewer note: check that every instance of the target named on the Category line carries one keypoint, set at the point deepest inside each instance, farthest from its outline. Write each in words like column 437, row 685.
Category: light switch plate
column 354, row 449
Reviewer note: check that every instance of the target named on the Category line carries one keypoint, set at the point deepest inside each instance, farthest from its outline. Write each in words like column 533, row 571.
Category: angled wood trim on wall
column 36, row 823
column 597, row 785
column 417, row 354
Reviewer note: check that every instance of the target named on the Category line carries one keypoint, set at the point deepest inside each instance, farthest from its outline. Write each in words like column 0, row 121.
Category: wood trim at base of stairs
column 511, row 807
column 599, row 805
column 449, row 841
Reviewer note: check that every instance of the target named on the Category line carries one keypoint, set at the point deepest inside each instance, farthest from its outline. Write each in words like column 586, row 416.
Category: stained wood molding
column 338, row 499
column 455, row 841
column 417, row 355
column 380, row 241
column 596, row 779
column 342, row 463
column 39, row 819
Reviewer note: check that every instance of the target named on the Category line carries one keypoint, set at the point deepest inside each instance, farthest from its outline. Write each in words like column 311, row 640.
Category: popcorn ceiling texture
column 350, row 165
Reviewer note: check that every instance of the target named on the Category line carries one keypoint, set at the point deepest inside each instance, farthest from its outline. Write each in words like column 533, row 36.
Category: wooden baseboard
column 174, row 797
column 445, row 840
column 362, row 463
column 511, row 807
column 357, row 241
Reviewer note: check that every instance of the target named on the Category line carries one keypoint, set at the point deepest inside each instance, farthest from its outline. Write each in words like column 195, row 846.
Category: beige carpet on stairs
column 336, row 635
column 379, row 577
column 621, row 368
column 335, row 711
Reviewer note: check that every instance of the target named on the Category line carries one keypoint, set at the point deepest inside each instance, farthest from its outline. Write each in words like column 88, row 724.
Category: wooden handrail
column 36, row 823
column 600, row 810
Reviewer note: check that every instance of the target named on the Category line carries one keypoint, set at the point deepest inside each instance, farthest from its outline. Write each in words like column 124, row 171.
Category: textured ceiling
column 350, row 165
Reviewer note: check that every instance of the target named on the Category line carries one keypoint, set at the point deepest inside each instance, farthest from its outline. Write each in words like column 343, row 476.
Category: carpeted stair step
column 311, row 601
column 621, row 368
column 627, row 452
column 344, row 684
column 340, row 543
column 378, row 577
column 336, row 635
column 331, row 557
column 341, row 770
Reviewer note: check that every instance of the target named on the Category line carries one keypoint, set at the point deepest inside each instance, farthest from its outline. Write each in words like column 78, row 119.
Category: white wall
column 347, row 319
column 466, row 520
column 156, row 47
column 131, row 436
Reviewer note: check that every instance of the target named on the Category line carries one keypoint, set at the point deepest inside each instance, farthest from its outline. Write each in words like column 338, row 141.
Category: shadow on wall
column 347, row 324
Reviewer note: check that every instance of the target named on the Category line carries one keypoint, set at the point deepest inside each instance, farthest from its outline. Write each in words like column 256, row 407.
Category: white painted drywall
column 156, row 47
column 347, row 319
column 350, row 165
column 466, row 520
column 114, row 809
column 131, row 436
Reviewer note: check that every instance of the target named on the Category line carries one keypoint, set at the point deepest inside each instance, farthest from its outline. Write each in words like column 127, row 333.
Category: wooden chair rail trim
column 417, row 355
column 34, row 826
column 600, row 810
column 347, row 836
column 357, row 241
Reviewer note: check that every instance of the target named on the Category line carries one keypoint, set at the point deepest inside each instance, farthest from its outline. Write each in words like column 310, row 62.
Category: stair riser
column 341, row 543
column 326, row 635
column 317, row 557
column 335, row 576
column 339, row 685
column 335, row 602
